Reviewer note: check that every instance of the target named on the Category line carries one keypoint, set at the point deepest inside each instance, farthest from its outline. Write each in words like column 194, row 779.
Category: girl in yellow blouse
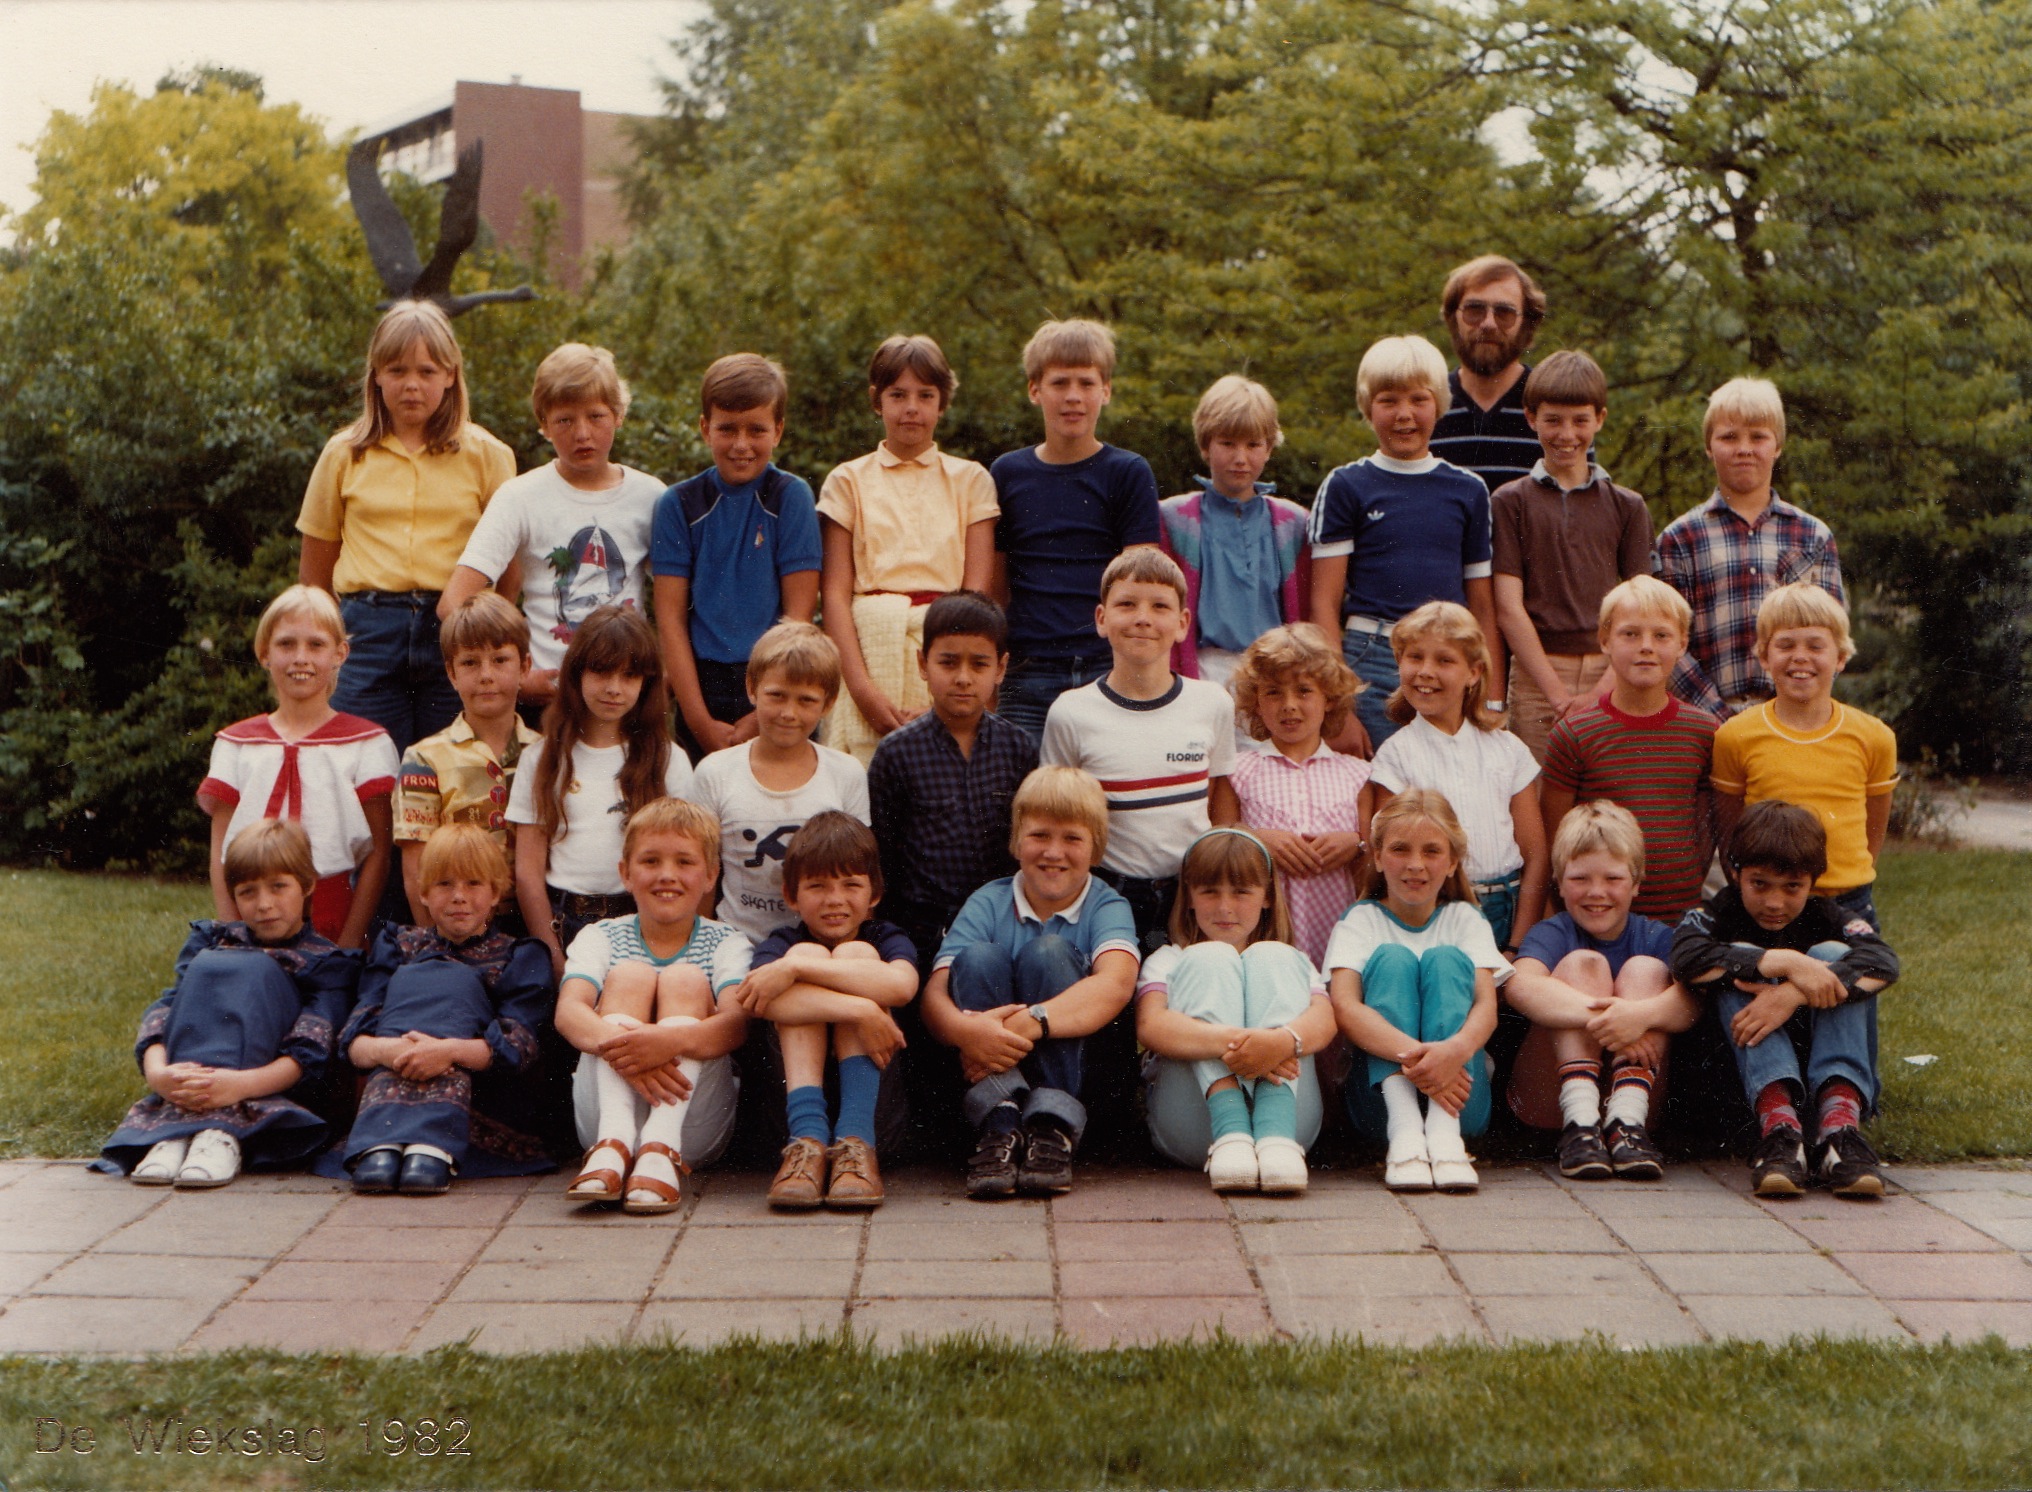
column 390, row 505
column 901, row 526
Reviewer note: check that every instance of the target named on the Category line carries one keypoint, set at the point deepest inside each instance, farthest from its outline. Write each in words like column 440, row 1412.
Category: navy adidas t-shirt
column 1557, row 936
column 1413, row 532
column 1060, row 526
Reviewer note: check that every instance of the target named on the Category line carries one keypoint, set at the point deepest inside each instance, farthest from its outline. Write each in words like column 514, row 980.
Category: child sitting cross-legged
column 1232, row 1014
column 645, row 999
column 1034, row 964
column 1794, row 978
column 245, row 1029
column 827, row 983
column 1595, row 977
column 1413, row 970
column 446, row 1027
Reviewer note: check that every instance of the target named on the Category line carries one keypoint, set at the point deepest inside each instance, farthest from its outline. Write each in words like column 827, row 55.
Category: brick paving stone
column 1103, row 1195
column 233, row 1222
column 1379, row 1234
column 12, row 1171
column 19, row 1271
column 1457, row 1223
column 537, row 1245
column 706, row 1323
column 1656, row 1322
column 301, row 1326
column 966, row 1278
column 1131, row 1320
column 795, row 1237
column 1684, row 1193
column 70, row 1323
column 1509, row 1194
column 389, row 1245
column 1966, row 1320
column 33, row 1221
column 1487, row 1275
column 723, row 1274
column 1894, row 1225
column 514, row 1282
column 1144, row 1241
column 1371, row 1276
column 1747, row 1233
column 1777, row 1319
column 540, row 1327
column 408, row 1282
column 732, row 1196
column 1130, row 1275
column 1927, row 1180
column 986, row 1238
column 466, row 1205
column 1941, row 1276
column 546, row 1205
column 892, row 1323
column 1810, row 1275
column 1384, row 1320
column 152, row 1277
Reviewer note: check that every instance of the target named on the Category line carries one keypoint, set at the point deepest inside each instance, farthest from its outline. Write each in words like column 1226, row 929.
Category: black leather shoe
column 1046, row 1167
column 376, row 1170
column 424, row 1176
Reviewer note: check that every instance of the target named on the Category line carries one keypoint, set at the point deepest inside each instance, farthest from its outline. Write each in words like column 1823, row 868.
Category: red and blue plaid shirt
column 1725, row 566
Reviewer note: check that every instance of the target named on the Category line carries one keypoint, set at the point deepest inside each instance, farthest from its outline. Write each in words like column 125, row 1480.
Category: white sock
column 618, row 1101
column 1406, row 1124
column 1630, row 1103
column 443, row 1155
column 1580, row 1101
column 665, row 1123
column 1442, row 1134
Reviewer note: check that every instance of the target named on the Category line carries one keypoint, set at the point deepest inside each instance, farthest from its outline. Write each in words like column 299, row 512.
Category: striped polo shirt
column 1655, row 766
column 1155, row 759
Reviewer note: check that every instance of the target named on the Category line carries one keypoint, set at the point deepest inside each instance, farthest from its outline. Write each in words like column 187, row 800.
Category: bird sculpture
column 393, row 248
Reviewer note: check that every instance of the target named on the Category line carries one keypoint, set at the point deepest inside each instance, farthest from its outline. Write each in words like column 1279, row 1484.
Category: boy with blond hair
column 1564, row 536
column 1637, row 746
column 1035, row 963
column 1242, row 549
column 1399, row 528
column 463, row 774
column 1068, row 506
column 574, row 532
column 1727, row 554
column 763, row 790
column 1161, row 746
column 732, row 550
column 1805, row 747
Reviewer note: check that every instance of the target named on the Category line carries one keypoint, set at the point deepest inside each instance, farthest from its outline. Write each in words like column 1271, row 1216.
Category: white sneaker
column 214, row 1160
column 1408, row 1168
column 160, row 1165
column 1231, row 1163
column 1280, row 1166
column 1455, row 1175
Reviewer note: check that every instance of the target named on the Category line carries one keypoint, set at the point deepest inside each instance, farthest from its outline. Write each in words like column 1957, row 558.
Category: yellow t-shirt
column 401, row 518
column 1834, row 772
column 909, row 519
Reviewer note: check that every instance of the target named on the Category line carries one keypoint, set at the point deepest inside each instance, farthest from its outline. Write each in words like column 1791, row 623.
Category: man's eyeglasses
column 1472, row 311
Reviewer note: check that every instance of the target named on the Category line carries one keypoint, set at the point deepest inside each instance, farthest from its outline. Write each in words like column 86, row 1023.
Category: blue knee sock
column 1228, row 1110
column 859, row 1080
column 1275, row 1111
column 808, row 1115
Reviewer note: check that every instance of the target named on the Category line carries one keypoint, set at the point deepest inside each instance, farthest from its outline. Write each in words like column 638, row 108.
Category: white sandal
column 214, row 1160
column 1231, row 1163
column 1280, row 1166
column 160, row 1165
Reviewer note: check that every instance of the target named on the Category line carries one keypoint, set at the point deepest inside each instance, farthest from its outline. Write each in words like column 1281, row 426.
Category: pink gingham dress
column 1316, row 796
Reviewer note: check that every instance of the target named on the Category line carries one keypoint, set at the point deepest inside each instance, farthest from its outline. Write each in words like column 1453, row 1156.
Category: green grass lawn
column 81, row 956
column 969, row 1414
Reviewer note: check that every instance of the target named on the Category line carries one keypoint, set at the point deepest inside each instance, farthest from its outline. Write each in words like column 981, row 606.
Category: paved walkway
column 96, row 1265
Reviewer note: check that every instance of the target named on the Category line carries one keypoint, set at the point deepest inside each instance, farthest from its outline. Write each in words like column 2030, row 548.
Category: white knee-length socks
column 1417, row 1129
column 665, row 1123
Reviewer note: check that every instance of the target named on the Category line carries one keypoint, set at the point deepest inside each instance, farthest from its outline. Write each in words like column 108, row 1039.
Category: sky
column 350, row 62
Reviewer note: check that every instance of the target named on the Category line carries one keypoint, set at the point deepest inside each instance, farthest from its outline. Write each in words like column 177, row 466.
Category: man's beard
column 1489, row 352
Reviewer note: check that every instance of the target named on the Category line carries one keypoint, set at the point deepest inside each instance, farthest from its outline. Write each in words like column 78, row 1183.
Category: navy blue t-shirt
column 1413, row 532
column 886, row 938
column 1557, row 936
column 735, row 545
column 1060, row 526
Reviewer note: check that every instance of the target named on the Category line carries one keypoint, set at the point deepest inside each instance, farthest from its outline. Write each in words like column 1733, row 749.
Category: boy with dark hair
column 1793, row 976
column 1069, row 506
column 827, row 984
column 939, row 789
column 733, row 550
column 1564, row 536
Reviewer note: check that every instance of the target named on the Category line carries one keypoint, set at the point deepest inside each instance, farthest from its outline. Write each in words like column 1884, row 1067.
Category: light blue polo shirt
column 1098, row 919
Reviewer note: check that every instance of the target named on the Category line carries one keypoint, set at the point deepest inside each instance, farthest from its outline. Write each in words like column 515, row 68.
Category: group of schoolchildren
column 1241, row 766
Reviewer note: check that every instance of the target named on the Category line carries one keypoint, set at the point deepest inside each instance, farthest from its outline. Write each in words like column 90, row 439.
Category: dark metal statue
column 393, row 248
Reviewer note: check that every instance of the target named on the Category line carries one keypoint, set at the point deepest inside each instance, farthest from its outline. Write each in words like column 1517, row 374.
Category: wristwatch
column 1043, row 1018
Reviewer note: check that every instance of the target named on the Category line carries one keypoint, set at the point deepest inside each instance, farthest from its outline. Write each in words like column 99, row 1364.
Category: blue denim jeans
column 395, row 674
column 1840, row 1042
column 1499, row 906
column 1033, row 683
column 1370, row 655
column 1047, row 1082
column 1859, row 900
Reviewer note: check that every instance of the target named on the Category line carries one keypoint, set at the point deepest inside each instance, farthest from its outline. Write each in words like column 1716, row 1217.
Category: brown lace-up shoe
column 801, row 1179
column 857, row 1179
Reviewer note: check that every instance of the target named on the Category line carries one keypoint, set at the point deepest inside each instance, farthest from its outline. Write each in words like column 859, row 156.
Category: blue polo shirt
column 998, row 913
column 1059, row 528
column 1557, row 936
column 1413, row 532
column 735, row 545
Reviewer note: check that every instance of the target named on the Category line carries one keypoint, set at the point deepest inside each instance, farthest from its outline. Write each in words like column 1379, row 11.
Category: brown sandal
column 601, row 1183
column 663, row 1194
